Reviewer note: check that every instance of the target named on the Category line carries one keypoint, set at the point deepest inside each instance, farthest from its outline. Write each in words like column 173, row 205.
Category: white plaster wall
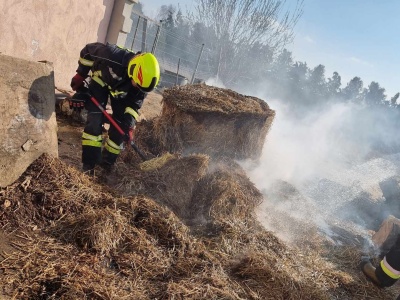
column 53, row 30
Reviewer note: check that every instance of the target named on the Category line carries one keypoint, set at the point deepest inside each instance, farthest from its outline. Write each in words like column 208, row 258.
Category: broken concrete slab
column 28, row 124
column 387, row 234
column 391, row 192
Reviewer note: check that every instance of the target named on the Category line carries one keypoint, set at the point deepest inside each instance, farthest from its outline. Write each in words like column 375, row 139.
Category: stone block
column 387, row 234
column 28, row 126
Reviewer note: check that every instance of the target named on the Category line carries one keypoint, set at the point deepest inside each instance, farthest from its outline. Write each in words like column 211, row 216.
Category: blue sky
column 352, row 37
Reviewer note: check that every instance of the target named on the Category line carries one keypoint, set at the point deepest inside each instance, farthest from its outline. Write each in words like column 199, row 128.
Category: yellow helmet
column 144, row 70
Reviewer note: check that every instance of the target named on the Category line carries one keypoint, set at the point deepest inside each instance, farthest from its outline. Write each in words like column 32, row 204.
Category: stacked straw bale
column 213, row 121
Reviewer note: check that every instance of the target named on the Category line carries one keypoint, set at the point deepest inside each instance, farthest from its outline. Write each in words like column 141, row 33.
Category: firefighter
column 388, row 271
column 121, row 75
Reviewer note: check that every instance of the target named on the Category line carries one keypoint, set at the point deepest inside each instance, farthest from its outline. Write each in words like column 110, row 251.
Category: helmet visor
column 131, row 70
column 150, row 87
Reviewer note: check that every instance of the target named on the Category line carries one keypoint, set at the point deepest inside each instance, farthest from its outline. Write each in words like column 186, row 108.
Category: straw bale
column 203, row 98
column 171, row 184
column 204, row 197
column 213, row 121
column 226, row 195
column 146, row 138
column 83, row 240
column 101, row 230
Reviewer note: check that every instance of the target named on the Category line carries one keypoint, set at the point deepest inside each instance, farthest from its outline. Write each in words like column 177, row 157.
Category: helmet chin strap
column 136, row 85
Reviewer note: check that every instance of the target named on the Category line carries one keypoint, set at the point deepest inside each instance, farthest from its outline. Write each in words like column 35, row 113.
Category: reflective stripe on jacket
column 108, row 64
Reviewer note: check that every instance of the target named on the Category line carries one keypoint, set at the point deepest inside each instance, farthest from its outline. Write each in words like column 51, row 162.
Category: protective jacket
column 108, row 65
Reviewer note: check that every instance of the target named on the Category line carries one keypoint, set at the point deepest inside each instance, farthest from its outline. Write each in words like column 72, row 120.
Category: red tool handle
column 112, row 121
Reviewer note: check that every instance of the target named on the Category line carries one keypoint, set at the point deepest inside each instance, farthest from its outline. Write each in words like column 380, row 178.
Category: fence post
column 177, row 71
column 197, row 64
column 219, row 62
column 144, row 35
column 134, row 36
column 156, row 38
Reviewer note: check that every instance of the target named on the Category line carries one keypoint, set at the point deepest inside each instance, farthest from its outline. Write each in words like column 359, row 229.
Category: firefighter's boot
column 369, row 271
column 88, row 169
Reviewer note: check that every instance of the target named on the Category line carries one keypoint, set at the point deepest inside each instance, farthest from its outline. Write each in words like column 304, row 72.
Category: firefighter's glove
column 128, row 137
column 77, row 82
column 127, row 126
column 78, row 100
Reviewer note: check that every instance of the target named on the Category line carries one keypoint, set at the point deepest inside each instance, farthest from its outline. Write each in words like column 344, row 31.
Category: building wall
column 56, row 30
column 121, row 22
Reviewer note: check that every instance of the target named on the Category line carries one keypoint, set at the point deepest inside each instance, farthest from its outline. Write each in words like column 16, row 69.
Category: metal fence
column 181, row 61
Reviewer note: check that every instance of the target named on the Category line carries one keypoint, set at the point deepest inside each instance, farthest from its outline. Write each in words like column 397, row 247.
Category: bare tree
column 239, row 24
column 166, row 13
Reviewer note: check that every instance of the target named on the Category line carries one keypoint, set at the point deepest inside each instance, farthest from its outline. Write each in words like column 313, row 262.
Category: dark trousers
column 393, row 259
column 92, row 155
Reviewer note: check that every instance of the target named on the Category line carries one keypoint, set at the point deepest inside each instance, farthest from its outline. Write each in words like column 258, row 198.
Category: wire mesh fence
column 181, row 60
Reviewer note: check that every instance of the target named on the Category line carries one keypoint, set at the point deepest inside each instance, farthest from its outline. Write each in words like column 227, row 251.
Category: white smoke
column 215, row 81
column 298, row 150
column 328, row 156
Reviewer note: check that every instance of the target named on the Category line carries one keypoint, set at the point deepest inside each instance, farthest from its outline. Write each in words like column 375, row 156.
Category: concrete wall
column 56, row 30
column 53, row 31
column 121, row 22
column 28, row 124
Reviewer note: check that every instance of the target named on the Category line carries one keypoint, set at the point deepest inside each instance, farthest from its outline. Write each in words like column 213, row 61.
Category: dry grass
column 203, row 98
column 186, row 229
column 104, row 246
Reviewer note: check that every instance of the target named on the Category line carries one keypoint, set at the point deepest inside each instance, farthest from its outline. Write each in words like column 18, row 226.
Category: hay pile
column 214, row 121
column 184, row 230
column 75, row 239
